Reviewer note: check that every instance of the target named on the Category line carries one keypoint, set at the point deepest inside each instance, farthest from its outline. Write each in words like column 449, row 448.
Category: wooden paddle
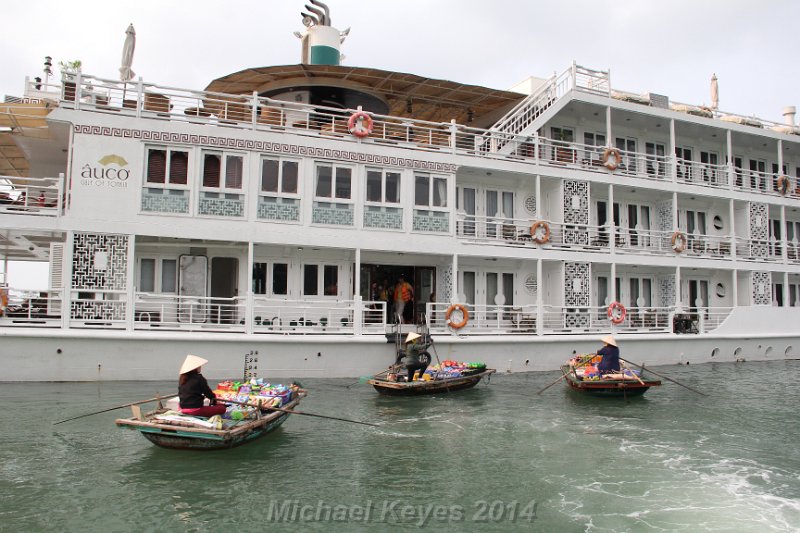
column 634, row 375
column 156, row 399
column 291, row 412
column 665, row 377
column 563, row 376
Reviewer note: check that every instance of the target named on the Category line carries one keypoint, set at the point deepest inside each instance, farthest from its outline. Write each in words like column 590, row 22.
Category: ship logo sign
column 109, row 171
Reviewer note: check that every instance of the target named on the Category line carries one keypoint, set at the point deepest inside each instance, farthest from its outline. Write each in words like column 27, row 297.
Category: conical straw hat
column 608, row 339
column 191, row 362
column 412, row 336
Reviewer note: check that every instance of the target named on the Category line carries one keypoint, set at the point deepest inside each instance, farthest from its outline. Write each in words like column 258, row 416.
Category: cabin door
column 192, row 279
column 224, row 288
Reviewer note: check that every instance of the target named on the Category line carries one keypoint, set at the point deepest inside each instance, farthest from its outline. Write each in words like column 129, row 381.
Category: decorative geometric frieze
column 761, row 284
column 390, row 218
column 264, row 146
column 576, row 211
column 664, row 213
column 759, row 229
column 431, row 223
column 576, row 284
column 445, row 288
column 221, row 207
column 276, row 211
column 156, row 201
column 100, row 262
column 103, row 310
column 333, row 215
column 666, row 291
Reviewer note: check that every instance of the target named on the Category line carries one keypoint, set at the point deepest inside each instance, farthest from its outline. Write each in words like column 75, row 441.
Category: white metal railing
column 28, row 308
column 485, row 319
column 759, row 249
column 704, row 174
column 31, row 196
column 171, row 311
column 272, row 315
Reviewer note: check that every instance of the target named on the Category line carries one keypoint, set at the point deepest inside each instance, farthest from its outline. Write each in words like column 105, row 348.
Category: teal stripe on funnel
column 324, row 55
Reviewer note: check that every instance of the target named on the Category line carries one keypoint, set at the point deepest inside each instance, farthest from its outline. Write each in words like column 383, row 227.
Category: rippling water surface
column 495, row 458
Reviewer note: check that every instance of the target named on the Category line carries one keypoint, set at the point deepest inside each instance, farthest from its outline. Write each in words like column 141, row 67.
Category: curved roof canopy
column 408, row 95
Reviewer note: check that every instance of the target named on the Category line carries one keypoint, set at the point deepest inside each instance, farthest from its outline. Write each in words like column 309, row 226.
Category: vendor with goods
column 416, row 359
column 610, row 353
column 193, row 389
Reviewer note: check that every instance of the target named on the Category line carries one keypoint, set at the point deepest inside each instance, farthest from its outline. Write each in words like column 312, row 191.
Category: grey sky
column 669, row 48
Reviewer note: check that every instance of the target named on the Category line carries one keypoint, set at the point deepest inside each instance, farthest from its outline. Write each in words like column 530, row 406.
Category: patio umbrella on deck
column 714, row 92
column 125, row 72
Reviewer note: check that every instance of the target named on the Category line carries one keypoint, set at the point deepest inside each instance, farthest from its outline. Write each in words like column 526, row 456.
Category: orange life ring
column 678, row 242
column 359, row 124
column 783, row 185
column 3, row 301
column 607, row 155
column 616, row 312
column 535, row 229
column 464, row 314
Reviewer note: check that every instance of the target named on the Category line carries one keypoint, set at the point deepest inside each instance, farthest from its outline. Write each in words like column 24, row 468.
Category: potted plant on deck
column 69, row 69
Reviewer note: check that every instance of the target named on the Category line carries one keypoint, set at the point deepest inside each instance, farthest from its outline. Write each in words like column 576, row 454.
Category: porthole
column 715, row 352
column 718, row 222
column 721, row 290
column 768, row 351
column 737, row 352
column 788, row 351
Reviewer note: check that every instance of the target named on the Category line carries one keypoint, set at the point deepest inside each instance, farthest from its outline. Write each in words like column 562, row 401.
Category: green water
column 494, row 458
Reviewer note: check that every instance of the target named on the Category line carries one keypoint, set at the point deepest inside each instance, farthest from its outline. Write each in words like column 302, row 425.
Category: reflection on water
column 671, row 460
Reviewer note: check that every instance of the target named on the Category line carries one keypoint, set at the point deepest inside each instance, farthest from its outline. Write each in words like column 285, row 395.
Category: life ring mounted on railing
column 608, row 154
column 678, row 241
column 3, row 300
column 540, row 232
column 783, row 185
column 453, row 309
column 616, row 313
column 360, row 124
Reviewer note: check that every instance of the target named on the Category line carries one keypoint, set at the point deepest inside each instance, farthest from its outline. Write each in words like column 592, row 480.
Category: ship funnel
column 321, row 41
column 788, row 115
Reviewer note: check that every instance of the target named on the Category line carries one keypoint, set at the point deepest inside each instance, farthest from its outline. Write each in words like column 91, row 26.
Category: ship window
column 162, row 162
column 217, row 166
column 383, row 186
column 279, row 176
column 274, row 275
column 334, row 182
column 158, row 275
column 320, row 281
column 430, row 191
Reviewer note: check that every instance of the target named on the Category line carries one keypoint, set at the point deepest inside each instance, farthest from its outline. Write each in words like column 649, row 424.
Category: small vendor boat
column 450, row 377
column 257, row 417
column 625, row 383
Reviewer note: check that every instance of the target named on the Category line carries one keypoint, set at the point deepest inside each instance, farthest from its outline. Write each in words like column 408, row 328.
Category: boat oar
column 563, row 375
column 304, row 413
column 665, row 377
column 156, row 399
column 634, row 375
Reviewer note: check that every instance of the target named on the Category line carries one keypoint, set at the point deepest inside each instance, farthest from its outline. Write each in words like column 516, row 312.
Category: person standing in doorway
column 403, row 298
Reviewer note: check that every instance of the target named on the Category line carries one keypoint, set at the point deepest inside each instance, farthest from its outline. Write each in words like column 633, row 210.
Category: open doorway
column 385, row 279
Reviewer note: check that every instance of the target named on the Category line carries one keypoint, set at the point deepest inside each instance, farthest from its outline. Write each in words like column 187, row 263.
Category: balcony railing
column 31, row 196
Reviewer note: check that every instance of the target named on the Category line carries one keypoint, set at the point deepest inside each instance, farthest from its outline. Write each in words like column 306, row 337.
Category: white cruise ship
column 276, row 210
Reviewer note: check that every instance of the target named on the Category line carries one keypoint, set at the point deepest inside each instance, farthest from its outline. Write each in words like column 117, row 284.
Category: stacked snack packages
column 453, row 369
column 255, row 392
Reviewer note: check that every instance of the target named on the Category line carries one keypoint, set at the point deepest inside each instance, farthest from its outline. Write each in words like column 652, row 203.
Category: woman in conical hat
column 610, row 353
column 416, row 358
column 193, row 388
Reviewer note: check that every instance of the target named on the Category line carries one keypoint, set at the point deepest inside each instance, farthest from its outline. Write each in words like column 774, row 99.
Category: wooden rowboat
column 433, row 386
column 612, row 385
column 184, row 436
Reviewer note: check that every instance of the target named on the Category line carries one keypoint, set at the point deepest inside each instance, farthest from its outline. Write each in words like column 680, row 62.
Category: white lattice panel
column 664, row 213
column 576, row 284
column 761, row 283
column 100, row 262
column 666, row 291
column 576, row 211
